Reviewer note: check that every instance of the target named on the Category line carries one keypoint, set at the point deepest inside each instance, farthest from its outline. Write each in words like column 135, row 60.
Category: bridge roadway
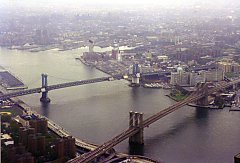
column 53, row 126
column 58, row 86
column 131, row 131
column 68, row 84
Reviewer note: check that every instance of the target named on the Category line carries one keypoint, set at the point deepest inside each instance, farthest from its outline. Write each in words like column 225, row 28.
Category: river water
column 97, row 112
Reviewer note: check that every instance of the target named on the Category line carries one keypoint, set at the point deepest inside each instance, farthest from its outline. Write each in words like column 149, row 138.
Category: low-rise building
column 162, row 58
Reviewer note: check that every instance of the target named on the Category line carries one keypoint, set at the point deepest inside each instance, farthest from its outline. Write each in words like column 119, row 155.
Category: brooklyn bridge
column 136, row 121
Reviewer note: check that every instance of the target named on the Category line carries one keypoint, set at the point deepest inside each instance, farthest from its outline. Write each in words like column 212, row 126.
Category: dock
column 236, row 105
column 9, row 81
column 205, row 107
column 234, row 108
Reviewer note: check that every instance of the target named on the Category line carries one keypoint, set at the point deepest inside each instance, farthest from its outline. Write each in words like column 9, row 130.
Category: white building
column 192, row 78
column 162, row 58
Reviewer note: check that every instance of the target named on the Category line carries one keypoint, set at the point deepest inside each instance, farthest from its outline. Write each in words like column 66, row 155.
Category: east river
column 97, row 112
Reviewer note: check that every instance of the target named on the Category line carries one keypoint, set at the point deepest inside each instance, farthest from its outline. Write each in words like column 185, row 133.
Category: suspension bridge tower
column 136, row 73
column 44, row 90
column 136, row 121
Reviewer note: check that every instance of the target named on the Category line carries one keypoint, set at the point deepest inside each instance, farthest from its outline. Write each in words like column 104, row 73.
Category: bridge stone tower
column 202, row 88
column 136, row 71
column 44, row 90
column 135, row 121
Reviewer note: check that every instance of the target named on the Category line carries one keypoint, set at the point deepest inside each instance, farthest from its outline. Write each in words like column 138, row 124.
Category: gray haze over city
column 146, row 56
column 163, row 3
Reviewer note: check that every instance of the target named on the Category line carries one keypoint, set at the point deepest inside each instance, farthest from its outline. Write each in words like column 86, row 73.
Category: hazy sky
column 37, row 3
column 164, row 2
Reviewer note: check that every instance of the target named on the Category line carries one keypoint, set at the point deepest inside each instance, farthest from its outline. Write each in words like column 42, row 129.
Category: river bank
column 82, row 145
column 176, row 98
column 40, row 48
column 90, row 112
column 58, row 130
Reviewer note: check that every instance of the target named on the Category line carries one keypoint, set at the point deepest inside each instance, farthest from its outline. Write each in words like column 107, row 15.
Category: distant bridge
column 136, row 122
column 135, row 130
column 45, row 87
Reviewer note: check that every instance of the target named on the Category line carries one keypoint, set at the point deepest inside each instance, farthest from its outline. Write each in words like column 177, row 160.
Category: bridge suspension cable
column 131, row 131
column 65, row 79
column 32, row 82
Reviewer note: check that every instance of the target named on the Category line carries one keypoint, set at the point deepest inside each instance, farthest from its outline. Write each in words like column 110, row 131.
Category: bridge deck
column 56, row 86
column 97, row 151
column 131, row 131
column 63, row 85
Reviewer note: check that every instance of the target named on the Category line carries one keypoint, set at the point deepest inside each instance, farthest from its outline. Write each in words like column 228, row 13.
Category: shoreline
column 108, row 73
column 51, row 125
column 171, row 97
column 82, row 145
column 93, row 65
column 41, row 48
column 210, row 107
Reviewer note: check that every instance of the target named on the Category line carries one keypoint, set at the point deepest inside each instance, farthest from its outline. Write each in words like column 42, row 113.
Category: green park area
column 177, row 95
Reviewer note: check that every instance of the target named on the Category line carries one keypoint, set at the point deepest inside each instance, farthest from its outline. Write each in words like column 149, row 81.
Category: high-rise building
column 34, row 143
column 179, row 78
column 91, row 45
column 119, row 56
column 59, row 147
column 40, row 125
column 41, row 144
column 214, row 75
column 69, row 147
column 65, row 147
column 195, row 78
column 42, row 37
column 19, row 155
column 23, row 134
column 192, row 78
column 115, row 52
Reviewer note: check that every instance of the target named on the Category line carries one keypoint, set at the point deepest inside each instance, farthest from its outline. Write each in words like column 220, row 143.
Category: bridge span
column 132, row 131
column 45, row 88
